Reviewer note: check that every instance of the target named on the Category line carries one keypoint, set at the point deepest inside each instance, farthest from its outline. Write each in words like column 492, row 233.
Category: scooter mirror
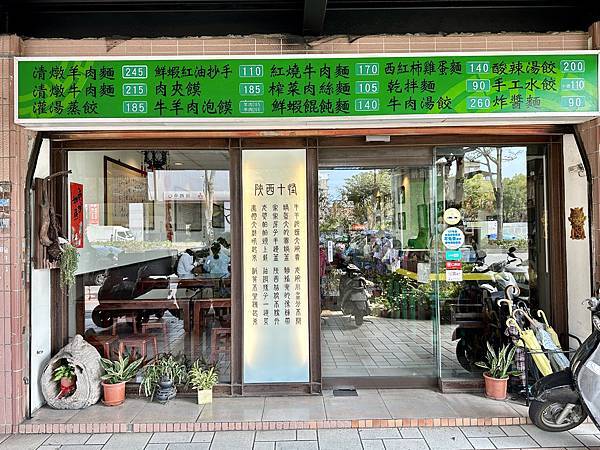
column 596, row 322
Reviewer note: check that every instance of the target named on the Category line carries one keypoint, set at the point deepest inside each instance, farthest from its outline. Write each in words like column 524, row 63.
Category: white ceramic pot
column 204, row 396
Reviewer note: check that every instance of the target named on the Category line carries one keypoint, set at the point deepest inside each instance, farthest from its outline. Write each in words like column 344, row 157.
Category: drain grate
column 345, row 392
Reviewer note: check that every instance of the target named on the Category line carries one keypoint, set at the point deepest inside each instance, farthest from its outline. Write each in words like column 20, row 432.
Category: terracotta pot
column 495, row 388
column 204, row 396
column 114, row 394
column 66, row 383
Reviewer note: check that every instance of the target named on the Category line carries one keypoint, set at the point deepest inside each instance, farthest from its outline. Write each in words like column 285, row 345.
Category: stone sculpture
column 86, row 361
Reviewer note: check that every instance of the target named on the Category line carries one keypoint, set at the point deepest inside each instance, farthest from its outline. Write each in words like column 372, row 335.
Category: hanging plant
column 69, row 259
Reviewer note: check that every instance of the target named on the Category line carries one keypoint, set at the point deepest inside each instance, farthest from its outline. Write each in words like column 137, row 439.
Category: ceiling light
column 179, row 163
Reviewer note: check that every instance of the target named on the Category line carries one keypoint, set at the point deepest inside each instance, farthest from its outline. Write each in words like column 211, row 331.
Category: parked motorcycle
column 479, row 317
column 354, row 296
column 563, row 400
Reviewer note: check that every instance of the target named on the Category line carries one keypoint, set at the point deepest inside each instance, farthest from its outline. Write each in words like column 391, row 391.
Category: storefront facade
column 325, row 192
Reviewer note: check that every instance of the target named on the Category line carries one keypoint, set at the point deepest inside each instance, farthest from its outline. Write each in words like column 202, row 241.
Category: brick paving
column 391, row 438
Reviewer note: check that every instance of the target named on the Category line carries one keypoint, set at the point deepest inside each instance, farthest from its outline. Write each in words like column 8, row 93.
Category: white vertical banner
column 275, row 286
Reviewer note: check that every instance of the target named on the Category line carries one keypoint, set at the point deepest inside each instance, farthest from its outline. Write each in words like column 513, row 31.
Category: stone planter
column 205, row 396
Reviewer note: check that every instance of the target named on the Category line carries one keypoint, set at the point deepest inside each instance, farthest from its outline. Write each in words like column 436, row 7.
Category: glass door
column 491, row 235
column 377, row 297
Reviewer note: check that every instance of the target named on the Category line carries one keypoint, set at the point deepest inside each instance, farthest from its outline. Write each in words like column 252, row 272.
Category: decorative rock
column 86, row 360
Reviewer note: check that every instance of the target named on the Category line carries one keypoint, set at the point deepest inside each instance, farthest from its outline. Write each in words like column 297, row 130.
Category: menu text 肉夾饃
column 307, row 86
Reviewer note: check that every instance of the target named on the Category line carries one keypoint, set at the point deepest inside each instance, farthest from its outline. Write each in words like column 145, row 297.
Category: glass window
column 491, row 245
column 154, row 252
column 376, row 294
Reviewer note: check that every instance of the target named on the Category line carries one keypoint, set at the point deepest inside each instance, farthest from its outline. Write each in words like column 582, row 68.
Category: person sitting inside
column 217, row 263
column 186, row 264
column 225, row 246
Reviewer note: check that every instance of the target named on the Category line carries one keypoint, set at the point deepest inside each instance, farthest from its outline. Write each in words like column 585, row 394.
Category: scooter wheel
column 462, row 355
column 358, row 319
column 544, row 415
column 102, row 319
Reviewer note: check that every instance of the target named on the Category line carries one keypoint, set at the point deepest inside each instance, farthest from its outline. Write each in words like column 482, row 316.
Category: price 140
column 366, row 104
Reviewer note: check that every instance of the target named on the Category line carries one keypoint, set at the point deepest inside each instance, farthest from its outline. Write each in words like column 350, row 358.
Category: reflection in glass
column 376, row 293
column 499, row 192
column 153, row 235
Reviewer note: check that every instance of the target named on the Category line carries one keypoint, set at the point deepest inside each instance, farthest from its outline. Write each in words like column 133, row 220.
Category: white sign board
column 453, row 238
column 275, row 266
column 454, row 275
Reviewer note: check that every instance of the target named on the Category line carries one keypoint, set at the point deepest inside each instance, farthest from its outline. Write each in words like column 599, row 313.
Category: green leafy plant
column 201, row 377
column 69, row 259
column 63, row 371
column 119, row 371
column 164, row 367
column 498, row 364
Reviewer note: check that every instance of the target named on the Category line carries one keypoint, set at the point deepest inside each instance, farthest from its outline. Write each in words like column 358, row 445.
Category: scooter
column 478, row 315
column 563, row 400
column 354, row 296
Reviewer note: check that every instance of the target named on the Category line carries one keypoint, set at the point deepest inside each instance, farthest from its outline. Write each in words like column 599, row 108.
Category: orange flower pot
column 495, row 388
column 114, row 394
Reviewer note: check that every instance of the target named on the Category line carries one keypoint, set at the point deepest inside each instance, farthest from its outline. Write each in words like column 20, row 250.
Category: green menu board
column 307, row 86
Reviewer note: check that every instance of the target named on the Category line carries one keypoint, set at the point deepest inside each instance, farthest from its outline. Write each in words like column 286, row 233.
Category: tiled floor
column 384, row 347
column 369, row 404
column 492, row 437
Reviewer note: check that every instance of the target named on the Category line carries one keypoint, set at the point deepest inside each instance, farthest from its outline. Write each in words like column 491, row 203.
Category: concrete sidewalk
column 491, row 437
column 371, row 408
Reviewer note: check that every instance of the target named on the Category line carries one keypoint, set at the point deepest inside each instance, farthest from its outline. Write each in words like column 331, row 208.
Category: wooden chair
column 139, row 341
column 158, row 325
column 220, row 342
column 129, row 318
column 102, row 343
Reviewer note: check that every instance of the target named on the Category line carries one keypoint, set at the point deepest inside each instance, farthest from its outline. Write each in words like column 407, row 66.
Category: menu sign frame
column 255, row 89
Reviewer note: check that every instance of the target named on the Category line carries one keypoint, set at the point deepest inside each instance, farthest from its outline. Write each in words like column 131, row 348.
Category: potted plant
column 65, row 374
column 203, row 379
column 116, row 374
column 69, row 259
column 497, row 366
column 163, row 373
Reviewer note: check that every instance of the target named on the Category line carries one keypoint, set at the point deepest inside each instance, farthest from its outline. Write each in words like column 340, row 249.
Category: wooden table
column 155, row 299
column 199, row 281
